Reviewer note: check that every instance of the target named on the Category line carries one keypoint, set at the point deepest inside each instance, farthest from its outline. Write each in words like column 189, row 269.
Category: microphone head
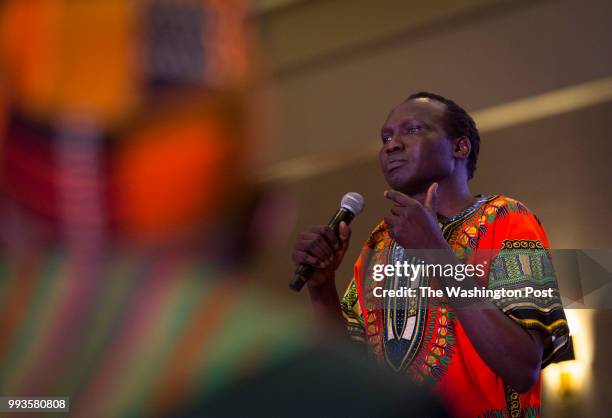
column 352, row 202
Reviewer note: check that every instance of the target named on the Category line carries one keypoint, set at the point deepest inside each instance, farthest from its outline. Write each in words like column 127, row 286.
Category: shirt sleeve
column 351, row 311
column 524, row 264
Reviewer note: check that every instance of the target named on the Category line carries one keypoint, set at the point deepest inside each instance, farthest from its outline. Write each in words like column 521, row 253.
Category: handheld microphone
column 351, row 205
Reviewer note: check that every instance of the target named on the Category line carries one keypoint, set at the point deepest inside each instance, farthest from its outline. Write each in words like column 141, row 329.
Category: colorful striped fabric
column 133, row 334
column 126, row 122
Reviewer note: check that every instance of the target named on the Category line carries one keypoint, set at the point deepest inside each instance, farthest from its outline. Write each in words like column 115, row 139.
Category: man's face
column 416, row 150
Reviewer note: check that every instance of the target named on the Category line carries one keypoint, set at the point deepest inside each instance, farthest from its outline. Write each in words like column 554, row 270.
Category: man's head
column 427, row 138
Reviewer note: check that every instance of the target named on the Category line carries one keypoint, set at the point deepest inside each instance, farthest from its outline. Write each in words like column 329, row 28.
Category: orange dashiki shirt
column 421, row 336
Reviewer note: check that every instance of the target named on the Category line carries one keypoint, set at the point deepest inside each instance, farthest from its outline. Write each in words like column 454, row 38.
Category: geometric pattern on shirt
column 530, row 266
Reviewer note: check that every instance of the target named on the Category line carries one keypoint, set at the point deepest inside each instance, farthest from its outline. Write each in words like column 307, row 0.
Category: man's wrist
column 317, row 286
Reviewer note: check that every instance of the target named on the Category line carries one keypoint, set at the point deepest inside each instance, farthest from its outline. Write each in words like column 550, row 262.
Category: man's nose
column 394, row 145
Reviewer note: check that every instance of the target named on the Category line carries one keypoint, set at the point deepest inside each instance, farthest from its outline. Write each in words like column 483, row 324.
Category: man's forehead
column 421, row 108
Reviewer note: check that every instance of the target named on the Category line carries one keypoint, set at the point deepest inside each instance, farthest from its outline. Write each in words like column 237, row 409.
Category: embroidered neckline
column 480, row 199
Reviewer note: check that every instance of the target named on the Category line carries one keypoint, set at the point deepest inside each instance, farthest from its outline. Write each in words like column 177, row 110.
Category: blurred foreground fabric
column 124, row 119
column 134, row 334
column 122, row 167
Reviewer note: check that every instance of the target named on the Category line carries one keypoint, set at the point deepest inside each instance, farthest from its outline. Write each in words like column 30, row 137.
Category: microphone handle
column 305, row 271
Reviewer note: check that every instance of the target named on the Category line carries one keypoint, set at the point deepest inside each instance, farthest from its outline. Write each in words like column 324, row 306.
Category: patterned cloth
column 119, row 119
column 123, row 126
column 137, row 334
column 422, row 336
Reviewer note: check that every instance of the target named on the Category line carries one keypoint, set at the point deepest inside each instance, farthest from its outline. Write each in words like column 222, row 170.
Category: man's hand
column 321, row 248
column 413, row 225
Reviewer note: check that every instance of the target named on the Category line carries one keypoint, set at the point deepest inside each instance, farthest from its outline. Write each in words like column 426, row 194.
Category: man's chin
column 410, row 187
column 398, row 182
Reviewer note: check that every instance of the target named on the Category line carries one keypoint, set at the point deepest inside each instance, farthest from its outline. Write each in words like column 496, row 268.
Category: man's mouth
column 395, row 164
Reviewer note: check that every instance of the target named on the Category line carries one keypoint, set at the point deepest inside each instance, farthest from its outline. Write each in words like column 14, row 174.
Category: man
column 482, row 356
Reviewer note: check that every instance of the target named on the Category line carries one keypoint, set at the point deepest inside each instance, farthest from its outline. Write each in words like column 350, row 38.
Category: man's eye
column 386, row 138
column 413, row 129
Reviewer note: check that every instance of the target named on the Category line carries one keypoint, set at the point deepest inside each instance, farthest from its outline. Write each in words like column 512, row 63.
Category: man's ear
column 462, row 147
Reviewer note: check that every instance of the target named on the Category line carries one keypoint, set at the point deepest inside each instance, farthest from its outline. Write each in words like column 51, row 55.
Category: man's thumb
column 431, row 199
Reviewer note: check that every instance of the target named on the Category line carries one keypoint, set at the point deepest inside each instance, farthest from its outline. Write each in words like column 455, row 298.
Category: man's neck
column 454, row 196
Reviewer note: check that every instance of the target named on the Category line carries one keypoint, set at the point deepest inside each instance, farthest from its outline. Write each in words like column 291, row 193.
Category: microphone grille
column 353, row 202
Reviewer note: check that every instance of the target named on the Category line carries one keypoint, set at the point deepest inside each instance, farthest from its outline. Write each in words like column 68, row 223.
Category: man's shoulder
column 514, row 214
column 502, row 205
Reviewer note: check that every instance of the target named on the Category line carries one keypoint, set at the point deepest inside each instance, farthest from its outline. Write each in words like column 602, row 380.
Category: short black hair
column 457, row 123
